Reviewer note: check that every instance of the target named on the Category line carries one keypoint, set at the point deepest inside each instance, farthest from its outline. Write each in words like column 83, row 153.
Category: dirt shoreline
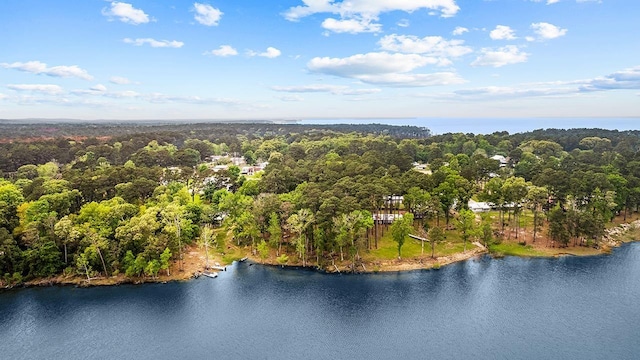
column 194, row 263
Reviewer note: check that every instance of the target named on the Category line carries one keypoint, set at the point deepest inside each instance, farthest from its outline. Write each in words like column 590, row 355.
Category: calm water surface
column 568, row 308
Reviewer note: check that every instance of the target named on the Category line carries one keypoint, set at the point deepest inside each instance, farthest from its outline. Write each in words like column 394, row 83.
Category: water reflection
column 482, row 308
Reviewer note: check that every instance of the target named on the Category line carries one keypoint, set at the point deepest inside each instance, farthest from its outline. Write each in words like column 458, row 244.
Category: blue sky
column 305, row 59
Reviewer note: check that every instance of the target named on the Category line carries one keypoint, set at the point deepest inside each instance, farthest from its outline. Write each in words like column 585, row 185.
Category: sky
column 319, row 59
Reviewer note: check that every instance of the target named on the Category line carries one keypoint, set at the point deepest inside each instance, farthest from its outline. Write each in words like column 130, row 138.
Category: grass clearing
column 515, row 249
column 388, row 249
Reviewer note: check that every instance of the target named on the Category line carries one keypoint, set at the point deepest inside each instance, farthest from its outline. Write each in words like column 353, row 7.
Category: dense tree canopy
column 95, row 201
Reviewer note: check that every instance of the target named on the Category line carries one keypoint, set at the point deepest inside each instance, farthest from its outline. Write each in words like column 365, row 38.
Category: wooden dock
column 418, row 238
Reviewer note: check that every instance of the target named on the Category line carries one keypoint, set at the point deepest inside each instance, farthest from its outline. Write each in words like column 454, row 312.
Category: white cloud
column 34, row 67
column 309, row 88
column 384, row 68
column 207, row 14
column 99, row 95
column 511, row 92
column 123, row 94
column 158, row 98
column 287, row 98
column 546, row 31
column 459, row 30
column 119, row 80
column 37, row 88
column 155, row 43
column 350, row 8
column 550, row 2
column 223, row 51
column 625, row 79
column 502, row 32
column 37, row 67
column 429, row 45
column 375, row 62
column 270, row 53
column 404, row 23
column 126, row 13
column 99, row 88
column 352, row 26
column 414, row 80
column 360, row 91
column 324, row 88
column 503, row 56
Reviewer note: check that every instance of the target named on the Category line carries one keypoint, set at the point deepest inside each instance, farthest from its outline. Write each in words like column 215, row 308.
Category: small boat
column 244, row 259
column 212, row 275
column 219, row 268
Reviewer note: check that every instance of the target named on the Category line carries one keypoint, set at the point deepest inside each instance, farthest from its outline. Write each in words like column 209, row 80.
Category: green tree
column 82, row 263
column 558, row 226
column 263, row 250
column 152, row 268
column 173, row 217
column 68, row 232
column 467, row 222
column 342, row 224
column 98, row 243
column 493, row 193
column 206, row 240
column 515, row 191
column 275, row 232
column 299, row 223
column 164, row 260
column 43, row 259
column 128, row 263
column 536, row 197
column 400, row 229
column 10, row 253
column 139, row 265
column 435, row 236
column 10, row 199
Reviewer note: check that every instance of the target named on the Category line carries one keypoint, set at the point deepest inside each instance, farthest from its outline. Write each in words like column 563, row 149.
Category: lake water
column 511, row 308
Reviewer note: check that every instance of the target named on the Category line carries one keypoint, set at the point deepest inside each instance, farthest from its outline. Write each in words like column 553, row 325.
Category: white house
column 503, row 160
column 477, row 206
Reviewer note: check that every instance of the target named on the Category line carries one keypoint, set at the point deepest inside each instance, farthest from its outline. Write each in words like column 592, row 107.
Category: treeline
column 129, row 205
column 22, row 144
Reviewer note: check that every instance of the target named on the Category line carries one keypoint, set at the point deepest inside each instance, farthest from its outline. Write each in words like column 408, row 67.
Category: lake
column 484, row 308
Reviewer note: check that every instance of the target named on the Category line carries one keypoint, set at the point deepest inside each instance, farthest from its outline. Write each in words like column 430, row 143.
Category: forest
column 128, row 200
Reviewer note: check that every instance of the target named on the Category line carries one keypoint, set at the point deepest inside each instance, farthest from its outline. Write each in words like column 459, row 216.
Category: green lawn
column 514, row 249
column 388, row 249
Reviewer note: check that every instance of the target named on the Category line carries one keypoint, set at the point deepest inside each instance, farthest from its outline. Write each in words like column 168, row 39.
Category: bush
column 282, row 259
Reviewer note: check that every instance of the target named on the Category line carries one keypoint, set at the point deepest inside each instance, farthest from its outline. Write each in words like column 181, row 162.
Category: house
column 419, row 166
column 220, row 168
column 503, row 160
column 382, row 218
column 477, row 206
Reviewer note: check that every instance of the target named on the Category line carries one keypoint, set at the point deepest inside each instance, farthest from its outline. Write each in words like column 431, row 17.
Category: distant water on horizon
column 489, row 125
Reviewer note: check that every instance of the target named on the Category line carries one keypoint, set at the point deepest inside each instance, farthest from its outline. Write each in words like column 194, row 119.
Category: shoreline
column 613, row 238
